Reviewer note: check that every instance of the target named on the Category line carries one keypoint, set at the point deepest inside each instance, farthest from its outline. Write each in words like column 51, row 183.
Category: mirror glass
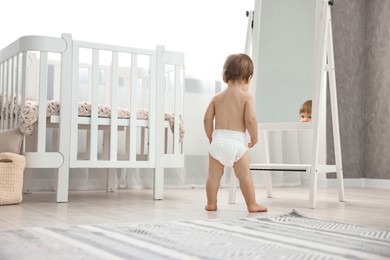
column 284, row 62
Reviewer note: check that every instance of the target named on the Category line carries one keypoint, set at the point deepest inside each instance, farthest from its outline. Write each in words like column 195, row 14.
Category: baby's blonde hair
column 238, row 68
column 306, row 107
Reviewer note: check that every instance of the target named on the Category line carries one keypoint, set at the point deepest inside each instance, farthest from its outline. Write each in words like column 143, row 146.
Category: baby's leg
column 213, row 180
column 241, row 169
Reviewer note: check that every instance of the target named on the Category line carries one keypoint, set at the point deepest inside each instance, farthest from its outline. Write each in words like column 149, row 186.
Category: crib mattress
column 29, row 115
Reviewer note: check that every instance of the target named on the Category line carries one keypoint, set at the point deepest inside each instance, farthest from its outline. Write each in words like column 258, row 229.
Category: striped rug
column 289, row 236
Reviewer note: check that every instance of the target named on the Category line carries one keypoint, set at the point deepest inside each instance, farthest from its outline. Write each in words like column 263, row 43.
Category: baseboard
column 351, row 183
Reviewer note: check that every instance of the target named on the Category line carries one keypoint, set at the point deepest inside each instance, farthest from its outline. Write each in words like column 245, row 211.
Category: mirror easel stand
column 324, row 64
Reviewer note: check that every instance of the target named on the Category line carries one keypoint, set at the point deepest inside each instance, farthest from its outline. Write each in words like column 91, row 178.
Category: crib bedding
column 29, row 115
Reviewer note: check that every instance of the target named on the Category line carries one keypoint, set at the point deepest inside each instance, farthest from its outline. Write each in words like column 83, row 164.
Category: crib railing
column 21, row 78
column 113, row 123
column 14, row 63
column 13, row 74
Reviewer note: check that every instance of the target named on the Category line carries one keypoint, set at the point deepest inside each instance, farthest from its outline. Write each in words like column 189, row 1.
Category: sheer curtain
column 206, row 31
column 284, row 147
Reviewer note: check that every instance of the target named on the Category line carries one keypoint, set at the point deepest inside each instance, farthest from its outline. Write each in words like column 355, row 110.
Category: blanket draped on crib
column 29, row 115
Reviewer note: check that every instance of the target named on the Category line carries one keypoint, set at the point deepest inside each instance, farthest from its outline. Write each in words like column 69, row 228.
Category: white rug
column 290, row 236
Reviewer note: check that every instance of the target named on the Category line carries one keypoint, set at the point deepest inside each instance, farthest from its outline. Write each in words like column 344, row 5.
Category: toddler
column 305, row 111
column 228, row 116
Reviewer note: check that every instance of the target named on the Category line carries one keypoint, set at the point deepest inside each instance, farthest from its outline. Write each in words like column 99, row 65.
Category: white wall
column 206, row 31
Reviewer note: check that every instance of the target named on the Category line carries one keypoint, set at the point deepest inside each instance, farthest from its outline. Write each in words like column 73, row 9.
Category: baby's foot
column 254, row 207
column 210, row 207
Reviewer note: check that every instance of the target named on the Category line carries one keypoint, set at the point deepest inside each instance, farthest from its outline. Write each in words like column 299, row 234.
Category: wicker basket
column 11, row 178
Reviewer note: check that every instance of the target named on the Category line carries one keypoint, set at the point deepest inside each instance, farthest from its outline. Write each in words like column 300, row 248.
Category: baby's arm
column 251, row 122
column 208, row 120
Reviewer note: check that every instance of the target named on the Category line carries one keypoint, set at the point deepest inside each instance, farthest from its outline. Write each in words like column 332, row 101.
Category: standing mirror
column 284, row 55
column 292, row 51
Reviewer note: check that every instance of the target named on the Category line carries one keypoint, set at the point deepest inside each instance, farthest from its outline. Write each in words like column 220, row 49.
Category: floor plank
column 362, row 206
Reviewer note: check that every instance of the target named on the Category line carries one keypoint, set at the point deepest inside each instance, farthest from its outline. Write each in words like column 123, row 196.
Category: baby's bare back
column 230, row 109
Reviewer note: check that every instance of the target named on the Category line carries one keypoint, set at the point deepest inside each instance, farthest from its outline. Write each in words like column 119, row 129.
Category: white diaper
column 228, row 146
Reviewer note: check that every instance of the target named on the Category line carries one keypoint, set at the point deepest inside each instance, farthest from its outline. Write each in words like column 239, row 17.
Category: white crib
column 146, row 86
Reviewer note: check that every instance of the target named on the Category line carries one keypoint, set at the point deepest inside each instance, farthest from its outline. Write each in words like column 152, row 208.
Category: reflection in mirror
column 305, row 111
column 284, row 59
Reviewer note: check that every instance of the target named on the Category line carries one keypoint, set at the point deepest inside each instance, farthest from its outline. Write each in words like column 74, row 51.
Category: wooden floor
column 363, row 206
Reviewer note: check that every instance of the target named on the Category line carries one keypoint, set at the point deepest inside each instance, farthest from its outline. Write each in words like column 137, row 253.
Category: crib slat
column 12, row 94
column 159, row 124
column 94, row 105
column 74, row 106
column 42, row 100
column 114, row 107
column 17, row 90
column 9, row 93
column 2, row 107
column 133, row 107
column 152, row 108
column 23, row 87
column 23, row 80
column 6, row 73
column 177, row 111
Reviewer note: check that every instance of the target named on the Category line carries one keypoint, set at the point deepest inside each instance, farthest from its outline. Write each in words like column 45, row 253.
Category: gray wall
column 361, row 38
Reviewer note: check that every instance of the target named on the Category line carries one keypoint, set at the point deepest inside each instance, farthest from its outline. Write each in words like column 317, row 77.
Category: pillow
column 11, row 141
